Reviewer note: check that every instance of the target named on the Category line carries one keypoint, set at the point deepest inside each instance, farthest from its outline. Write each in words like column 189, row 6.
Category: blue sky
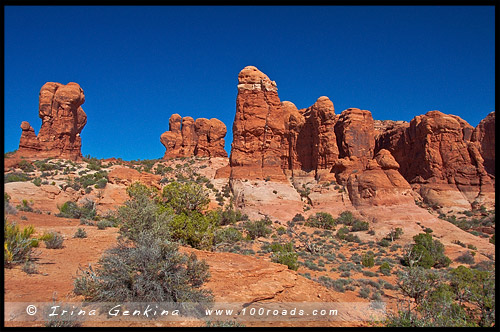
column 139, row 65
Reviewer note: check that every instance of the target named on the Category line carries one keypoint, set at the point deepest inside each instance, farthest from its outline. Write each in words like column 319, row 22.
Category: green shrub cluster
column 71, row 210
column 18, row 243
column 462, row 297
column 321, row 220
column 426, row 252
column 285, row 254
column 53, row 240
column 258, row 228
column 16, row 177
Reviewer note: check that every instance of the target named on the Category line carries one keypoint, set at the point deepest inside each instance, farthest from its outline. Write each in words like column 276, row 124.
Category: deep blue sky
column 139, row 65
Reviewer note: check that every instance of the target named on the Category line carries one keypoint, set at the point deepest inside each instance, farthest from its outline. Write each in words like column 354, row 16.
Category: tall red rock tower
column 62, row 122
column 258, row 128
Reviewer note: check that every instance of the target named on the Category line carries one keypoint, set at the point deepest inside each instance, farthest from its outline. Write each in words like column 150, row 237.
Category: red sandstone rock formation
column 258, row 128
column 310, row 136
column 484, row 134
column 186, row 137
column 62, row 122
column 437, row 156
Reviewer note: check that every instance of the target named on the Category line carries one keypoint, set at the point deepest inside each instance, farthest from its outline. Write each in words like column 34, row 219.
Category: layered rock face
column 187, row 137
column 258, row 128
column 62, row 122
column 439, row 159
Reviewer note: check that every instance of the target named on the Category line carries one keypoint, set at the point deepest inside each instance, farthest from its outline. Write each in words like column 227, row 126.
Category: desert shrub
column 385, row 268
column 148, row 270
column 8, row 208
column 359, row 225
column 285, row 254
column 16, row 177
column 103, row 224
column 26, row 166
column 80, row 233
column 228, row 235
column 337, row 284
column 37, row 181
column 185, row 197
column 298, row 217
column 17, row 243
column 141, row 213
column 321, row 220
column 384, row 243
column 230, row 216
column 462, row 297
column 394, row 234
column 364, row 292
column 194, row 229
column 342, row 232
column 465, row 258
column 368, row 259
column 29, row 267
column 258, row 228
column 72, row 210
column 25, row 206
column 426, row 252
column 460, row 243
column 53, row 240
column 101, row 183
column 346, row 218
column 352, row 238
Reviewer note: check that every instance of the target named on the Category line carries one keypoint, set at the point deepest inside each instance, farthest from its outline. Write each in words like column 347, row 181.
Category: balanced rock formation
column 62, row 122
column 258, row 128
column 187, row 137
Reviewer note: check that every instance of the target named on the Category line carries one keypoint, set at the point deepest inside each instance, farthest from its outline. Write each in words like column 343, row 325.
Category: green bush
column 228, row 235
column 385, row 269
column 26, row 166
column 141, row 213
column 149, row 270
column 321, row 220
column 185, row 197
column 196, row 229
column 229, row 216
column 426, row 252
column 16, row 177
column 72, row 210
column 53, row 240
column 285, row 254
column 258, row 228
column 342, row 233
column 346, row 218
column 80, row 233
column 37, row 181
column 465, row 258
column 368, row 259
column 101, row 183
column 359, row 225
column 17, row 243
